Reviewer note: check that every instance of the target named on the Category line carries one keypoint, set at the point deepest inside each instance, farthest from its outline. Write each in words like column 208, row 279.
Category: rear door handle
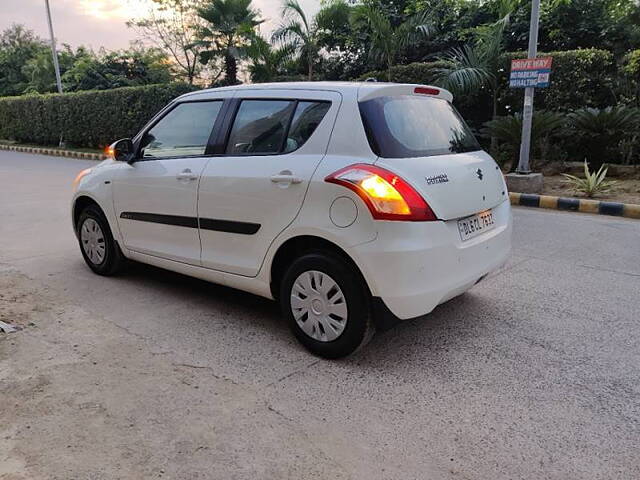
column 285, row 177
column 187, row 174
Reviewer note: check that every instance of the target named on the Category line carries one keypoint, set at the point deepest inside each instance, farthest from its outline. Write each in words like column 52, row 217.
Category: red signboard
column 543, row 63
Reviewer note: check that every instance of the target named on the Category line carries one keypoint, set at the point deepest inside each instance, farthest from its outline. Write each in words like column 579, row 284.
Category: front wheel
column 327, row 305
column 99, row 249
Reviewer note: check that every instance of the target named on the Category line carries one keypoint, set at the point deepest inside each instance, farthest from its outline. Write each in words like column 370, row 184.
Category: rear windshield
column 411, row 126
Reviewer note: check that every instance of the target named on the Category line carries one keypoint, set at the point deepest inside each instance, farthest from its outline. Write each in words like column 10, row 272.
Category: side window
column 260, row 126
column 184, row 131
column 306, row 119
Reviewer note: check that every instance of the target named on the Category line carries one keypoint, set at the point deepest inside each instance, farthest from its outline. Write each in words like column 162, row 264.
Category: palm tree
column 230, row 24
column 304, row 37
column 472, row 67
column 267, row 61
column 475, row 66
column 298, row 33
column 389, row 41
column 546, row 128
column 601, row 131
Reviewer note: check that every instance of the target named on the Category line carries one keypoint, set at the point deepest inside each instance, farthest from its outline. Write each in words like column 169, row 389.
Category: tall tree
column 298, row 33
column 388, row 41
column 229, row 25
column 333, row 26
column 40, row 72
column 266, row 60
column 476, row 65
column 306, row 37
column 172, row 25
column 18, row 46
column 125, row 68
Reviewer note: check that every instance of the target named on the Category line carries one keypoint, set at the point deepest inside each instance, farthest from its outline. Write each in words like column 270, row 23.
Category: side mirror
column 122, row 150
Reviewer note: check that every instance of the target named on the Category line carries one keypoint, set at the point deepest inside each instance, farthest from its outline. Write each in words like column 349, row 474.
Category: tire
column 98, row 247
column 349, row 327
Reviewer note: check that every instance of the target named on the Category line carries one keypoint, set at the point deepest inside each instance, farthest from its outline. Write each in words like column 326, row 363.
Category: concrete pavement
column 535, row 373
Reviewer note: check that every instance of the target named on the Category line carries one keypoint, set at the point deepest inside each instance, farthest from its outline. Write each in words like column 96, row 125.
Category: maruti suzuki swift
column 354, row 205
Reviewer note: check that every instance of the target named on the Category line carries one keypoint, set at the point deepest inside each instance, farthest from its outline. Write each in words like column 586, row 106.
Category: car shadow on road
column 194, row 290
column 450, row 326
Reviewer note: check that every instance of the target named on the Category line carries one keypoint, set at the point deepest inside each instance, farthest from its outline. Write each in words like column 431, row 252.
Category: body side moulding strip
column 230, row 226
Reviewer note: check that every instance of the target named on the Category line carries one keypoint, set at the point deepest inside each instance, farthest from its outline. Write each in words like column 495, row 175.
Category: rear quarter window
column 413, row 126
column 265, row 126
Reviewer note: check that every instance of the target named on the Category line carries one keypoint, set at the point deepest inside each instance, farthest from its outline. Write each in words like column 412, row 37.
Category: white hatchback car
column 354, row 205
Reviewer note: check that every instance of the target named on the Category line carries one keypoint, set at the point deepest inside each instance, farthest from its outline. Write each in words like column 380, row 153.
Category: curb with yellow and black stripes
column 629, row 210
column 53, row 151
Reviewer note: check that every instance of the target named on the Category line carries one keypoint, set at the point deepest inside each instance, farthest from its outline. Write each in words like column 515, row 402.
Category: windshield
column 411, row 126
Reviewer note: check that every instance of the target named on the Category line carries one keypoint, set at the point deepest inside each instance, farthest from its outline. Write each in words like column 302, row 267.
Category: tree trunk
column 310, row 60
column 231, row 69
column 389, row 65
column 494, row 140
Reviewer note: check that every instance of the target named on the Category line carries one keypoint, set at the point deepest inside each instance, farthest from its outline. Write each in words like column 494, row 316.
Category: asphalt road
column 535, row 373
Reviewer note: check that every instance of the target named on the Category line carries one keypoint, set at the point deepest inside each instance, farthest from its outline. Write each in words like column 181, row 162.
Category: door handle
column 187, row 174
column 285, row 177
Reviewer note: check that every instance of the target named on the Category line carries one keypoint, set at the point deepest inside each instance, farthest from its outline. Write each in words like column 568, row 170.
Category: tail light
column 387, row 195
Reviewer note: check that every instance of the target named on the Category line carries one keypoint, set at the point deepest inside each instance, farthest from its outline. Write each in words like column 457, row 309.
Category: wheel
column 99, row 249
column 327, row 305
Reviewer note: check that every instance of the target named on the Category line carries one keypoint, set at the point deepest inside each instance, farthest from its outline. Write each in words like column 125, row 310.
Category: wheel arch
column 296, row 246
column 79, row 204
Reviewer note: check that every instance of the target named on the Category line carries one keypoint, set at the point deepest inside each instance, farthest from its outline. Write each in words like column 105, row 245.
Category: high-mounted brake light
column 386, row 194
column 426, row 91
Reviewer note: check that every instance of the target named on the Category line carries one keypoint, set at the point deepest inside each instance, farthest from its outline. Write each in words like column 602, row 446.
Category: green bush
column 85, row 119
column 290, row 78
column 546, row 128
column 632, row 64
column 423, row 73
column 629, row 79
column 579, row 79
column 599, row 133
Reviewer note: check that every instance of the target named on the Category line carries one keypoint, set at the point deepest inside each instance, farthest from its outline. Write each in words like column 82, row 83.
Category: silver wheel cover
column 319, row 306
column 92, row 240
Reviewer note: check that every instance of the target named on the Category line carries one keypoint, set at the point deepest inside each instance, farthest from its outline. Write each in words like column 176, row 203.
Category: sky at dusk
column 101, row 23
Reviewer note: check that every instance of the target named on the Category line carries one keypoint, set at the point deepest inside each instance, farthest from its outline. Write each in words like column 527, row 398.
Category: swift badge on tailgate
column 442, row 178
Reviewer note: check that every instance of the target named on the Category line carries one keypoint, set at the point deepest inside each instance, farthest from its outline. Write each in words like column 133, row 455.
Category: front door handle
column 187, row 174
column 285, row 176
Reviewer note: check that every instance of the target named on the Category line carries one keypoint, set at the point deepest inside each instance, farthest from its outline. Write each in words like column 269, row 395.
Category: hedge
column 632, row 64
column 417, row 72
column 85, row 119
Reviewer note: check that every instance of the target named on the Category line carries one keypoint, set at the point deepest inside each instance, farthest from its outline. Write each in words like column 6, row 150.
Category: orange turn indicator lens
column 80, row 176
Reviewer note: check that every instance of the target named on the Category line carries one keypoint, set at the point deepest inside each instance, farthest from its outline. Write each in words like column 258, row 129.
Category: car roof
column 362, row 90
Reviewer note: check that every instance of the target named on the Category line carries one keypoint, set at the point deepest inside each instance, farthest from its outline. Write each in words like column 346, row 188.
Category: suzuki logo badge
column 479, row 174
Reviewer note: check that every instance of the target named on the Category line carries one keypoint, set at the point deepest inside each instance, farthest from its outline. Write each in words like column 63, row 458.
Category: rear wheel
column 98, row 247
column 326, row 304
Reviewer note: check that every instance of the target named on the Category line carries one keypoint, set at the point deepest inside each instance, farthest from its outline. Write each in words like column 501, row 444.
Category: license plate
column 476, row 225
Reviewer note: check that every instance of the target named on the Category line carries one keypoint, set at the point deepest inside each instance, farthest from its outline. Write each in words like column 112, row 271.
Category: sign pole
column 56, row 65
column 54, row 53
column 527, row 112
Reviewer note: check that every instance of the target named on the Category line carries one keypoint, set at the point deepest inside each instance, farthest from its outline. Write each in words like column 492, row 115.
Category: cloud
column 101, row 23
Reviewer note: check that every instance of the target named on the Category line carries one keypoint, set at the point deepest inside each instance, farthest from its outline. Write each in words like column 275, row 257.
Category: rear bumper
column 415, row 266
